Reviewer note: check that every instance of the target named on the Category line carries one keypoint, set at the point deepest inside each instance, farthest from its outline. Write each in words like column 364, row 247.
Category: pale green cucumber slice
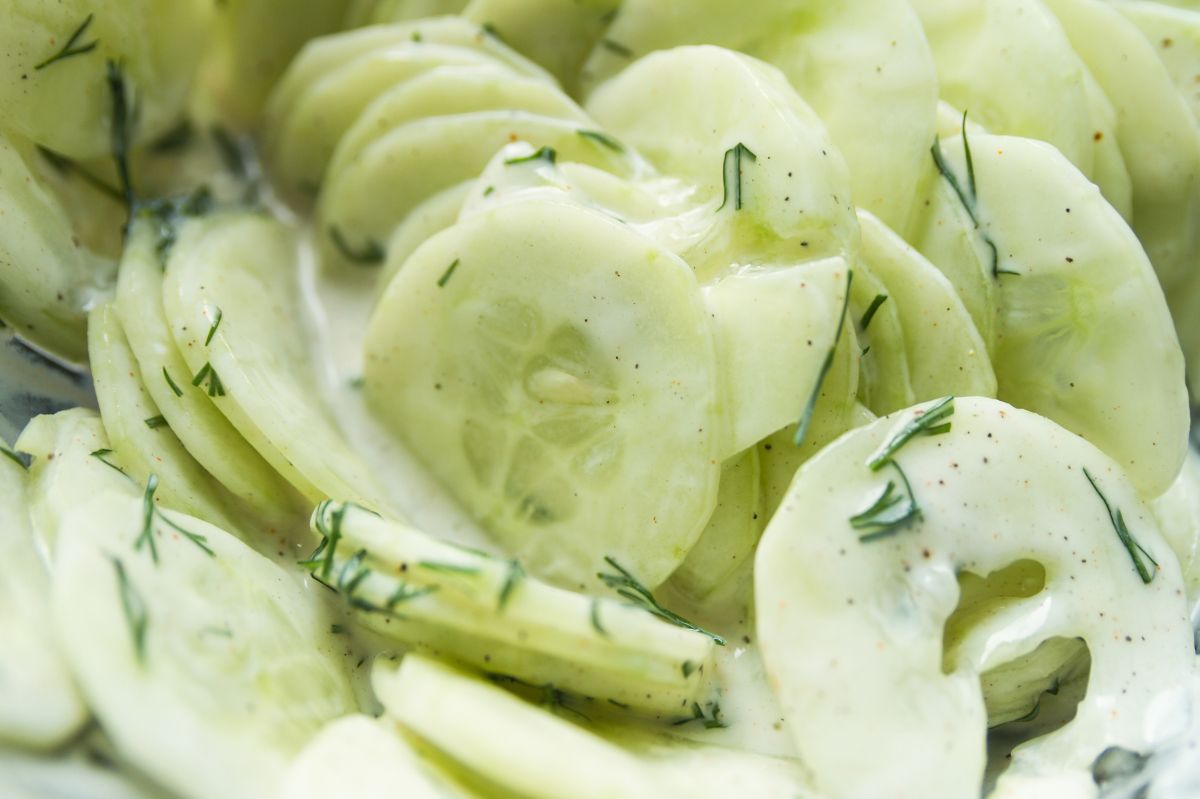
column 884, row 385
column 559, row 36
column 773, row 329
column 450, row 90
column 432, row 216
column 784, row 194
column 140, row 436
column 1175, row 35
column 301, row 138
column 1083, row 334
column 505, row 739
column 944, row 351
column 46, row 279
column 40, row 707
column 325, row 55
column 732, row 531
column 1178, row 514
column 1009, row 63
column 209, row 649
column 486, row 612
column 366, row 758
column 852, row 630
column 203, row 430
column 1158, row 135
column 370, row 195
column 555, row 371
column 67, row 104
column 862, row 66
column 233, row 308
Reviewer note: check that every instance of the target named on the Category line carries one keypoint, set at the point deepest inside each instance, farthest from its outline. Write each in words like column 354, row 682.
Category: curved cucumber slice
column 139, row 435
column 774, row 329
column 555, row 371
column 944, row 351
column 45, row 278
column 732, row 531
column 844, row 620
column 1083, row 334
column 233, row 309
column 484, row 611
column 210, row 649
column 1175, row 33
column 429, row 218
column 783, row 193
column 201, row 427
column 370, row 195
column 40, row 707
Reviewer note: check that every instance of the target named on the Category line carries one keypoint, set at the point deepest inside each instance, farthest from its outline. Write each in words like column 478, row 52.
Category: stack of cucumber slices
column 618, row 398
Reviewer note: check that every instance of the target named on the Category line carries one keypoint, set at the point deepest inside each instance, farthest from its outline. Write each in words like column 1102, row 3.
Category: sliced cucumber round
column 555, row 371
column 852, row 609
column 1083, row 335
column 429, row 218
column 756, row 152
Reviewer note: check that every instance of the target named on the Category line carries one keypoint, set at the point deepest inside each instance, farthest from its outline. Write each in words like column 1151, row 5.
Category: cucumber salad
column 601, row 399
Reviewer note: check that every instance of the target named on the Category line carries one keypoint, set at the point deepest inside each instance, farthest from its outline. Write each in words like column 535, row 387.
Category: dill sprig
column 12, row 456
column 150, row 513
column 447, row 568
column 514, row 576
column 214, row 385
column 326, row 521
column 594, row 616
column 710, row 722
column 134, row 607
column 445, row 278
column 928, row 421
column 889, row 513
column 155, row 422
column 630, row 588
column 1135, row 549
column 102, row 456
column 71, row 48
column 229, row 150
column 543, row 153
column 216, row 323
column 65, row 166
column 616, row 48
column 174, row 386
column 369, row 254
column 869, row 314
column 602, row 139
column 809, row 406
column 122, row 127
column 732, row 163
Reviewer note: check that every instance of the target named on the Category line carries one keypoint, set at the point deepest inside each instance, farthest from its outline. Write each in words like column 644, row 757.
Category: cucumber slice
column 369, row 759
column 1175, row 35
column 66, row 104
column 219, row 653
column 448, row 90
column 843, row 621
column 45, row 278
column 884, row 385
column 233, row 308
column 139, row 435
column 201, row 427
column 369, row 196
column 555, row 372
column 484, row 611
column 1083, row 334
column 1011, row 65
column 943, row 348
column 783, row 195
column 1178, row 514
column 862, row 66
column 733, row 529
column 40, row 707
column 302, row 137
column 774, row 329
column 429, row 218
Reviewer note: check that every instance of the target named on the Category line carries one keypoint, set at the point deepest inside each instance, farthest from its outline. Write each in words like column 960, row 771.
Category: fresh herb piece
column 174, row 386
column 602, row 139
column 1135, row 550
column 688, row 668
column 207, row 373
column 621, row 705
column 71, row 48
column 732, row 162
column 929, row 421
column 1117, row 763
column 889, row 513
column 212, row 329
column 616, row 48
column 122, row 128
column 594, row 615
column 371, row 253
column 970, row 161
column 134, row 607
column 514, row 575
column 488, row 191
column 229, row 150
column 155, row 422
column 939, row 160
column 327, row 521
column 65, row 166
column 809, row 406
column 543, row 153
column 405, row 592
column 150, row 512
column 710, row 722
column 337, row 629
column 869, row 314
column 628, row 587
column 490, row 30
column 448, row 568
column 102, row 456
column 12, row 456
column 174, row 139
column 445, row 278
